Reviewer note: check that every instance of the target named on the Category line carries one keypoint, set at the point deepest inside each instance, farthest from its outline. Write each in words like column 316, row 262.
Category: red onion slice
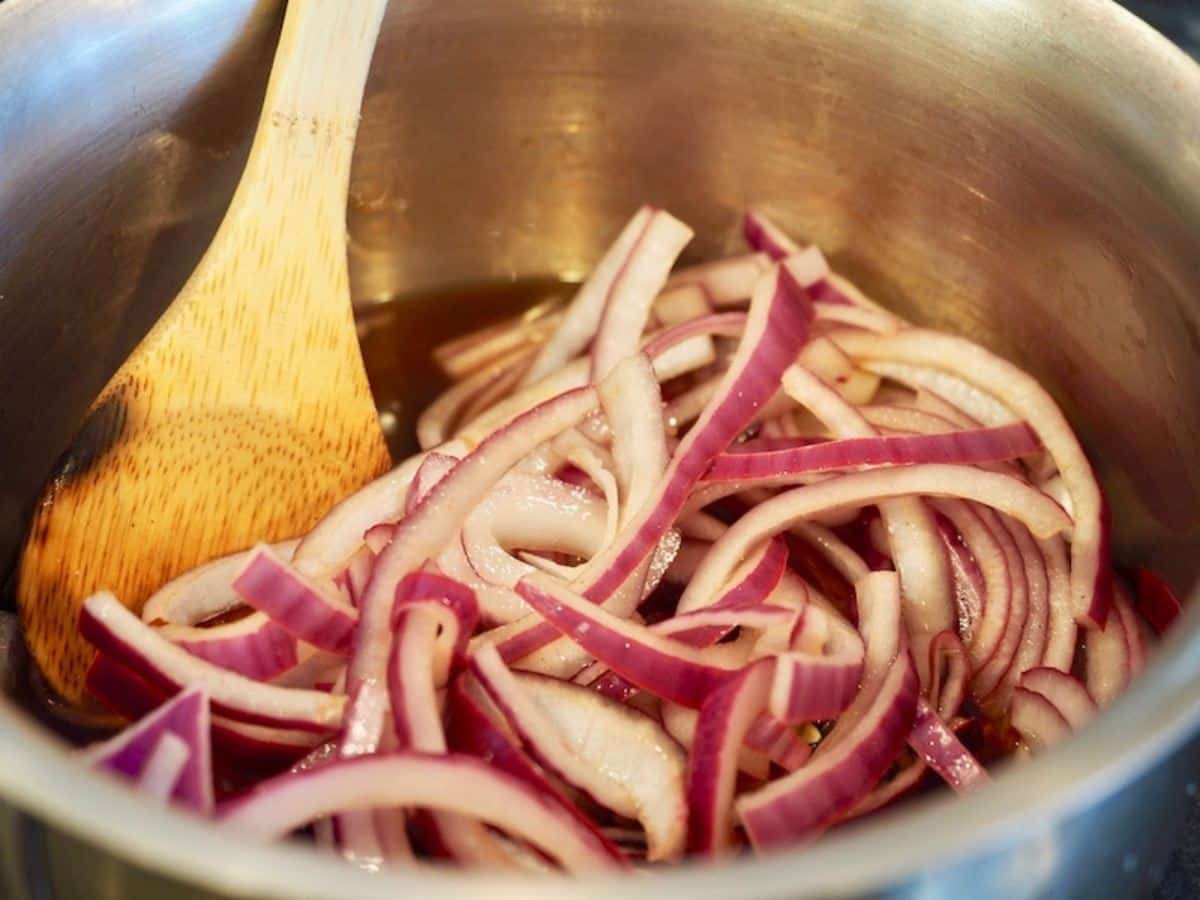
column 1065, row 692
column 257, row 747
column 163, row 768
column 727, row 282
column 766, row 237
column 204, row 592
column 436, row 423
column 253, row 646
column 667, row 668
column 776, row 328
column 632, row 292
column 1107, row 658
column 632, row 404
column 725, row 719
column 327, row 549
column 1090, row 576
column 116, row 631
column 185, row 718
column 462, row 356
column 863, row 743
column 1037, row 719
column 682, row 304
column 618, row 756
column 731, row 325
column 1039, row 513
column 962, row 447
column 454, row 783
column 802, row 804
column 423, row 533
column 303, row 607
column 940, row 749
column 583, row 316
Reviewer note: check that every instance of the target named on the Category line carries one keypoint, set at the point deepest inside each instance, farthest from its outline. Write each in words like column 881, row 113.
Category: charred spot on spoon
column 102, row 431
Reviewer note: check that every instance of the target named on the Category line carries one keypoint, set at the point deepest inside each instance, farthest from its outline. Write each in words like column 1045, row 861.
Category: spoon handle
column 305, row 135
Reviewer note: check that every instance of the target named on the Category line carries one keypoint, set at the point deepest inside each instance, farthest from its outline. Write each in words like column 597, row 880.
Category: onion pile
column 716, row 557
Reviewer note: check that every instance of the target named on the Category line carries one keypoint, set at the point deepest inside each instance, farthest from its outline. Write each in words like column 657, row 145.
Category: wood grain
column 245, row 412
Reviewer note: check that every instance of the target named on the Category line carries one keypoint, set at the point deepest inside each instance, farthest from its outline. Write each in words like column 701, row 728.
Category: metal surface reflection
column 1026, row 173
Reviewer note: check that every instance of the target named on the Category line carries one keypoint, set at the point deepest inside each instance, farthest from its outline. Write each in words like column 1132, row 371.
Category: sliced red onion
column 1091, row 587
column 667, row 668
column 1061, row 630
column 766, row 237
column 326, row 549
column 817, row 685
column 869, row 318
column 204, row 592
column 990, row 672
column 727, row 281
column 949, row 668
column 535, row 513
column 1156, row 600
column 740, row 606
column 887, row 792
column 633, row 406
column 962, row 447
column 1035, row 631
column 1106, row 653
column 422, row 588
column 435, row 467
column 462, row 356
column 730, row 324
column 256, row 746
column 1039, row 513
column 824, row 359
column 1132, row 628
column 712, row 766
column 414, row 678
column 940, row 749
column 437, row 421
column 411, row 680
column 679, row 359
column 776, row 328
column 1066, row 692
column 890, row 417
column 802, row 804
column 186, row 780
column 423, row 533
column 1037, row 719
column 583, row 316
column 618, row 756
column 682, row 304
column 632, row 292
column 680, row 723
column 163, row 768
column 116, row 631
column 913, row 542
column 453, row 783
column 476, row 727
column 253, row 646
column 303, row 607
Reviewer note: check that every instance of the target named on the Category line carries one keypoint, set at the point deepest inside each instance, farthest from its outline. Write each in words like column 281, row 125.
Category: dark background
column 1180, row 21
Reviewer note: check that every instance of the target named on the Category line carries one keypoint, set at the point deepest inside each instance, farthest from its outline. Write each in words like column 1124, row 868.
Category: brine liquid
column 398, row 338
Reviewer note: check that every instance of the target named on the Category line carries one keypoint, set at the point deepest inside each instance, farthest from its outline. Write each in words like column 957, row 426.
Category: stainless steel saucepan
column 1026, row 172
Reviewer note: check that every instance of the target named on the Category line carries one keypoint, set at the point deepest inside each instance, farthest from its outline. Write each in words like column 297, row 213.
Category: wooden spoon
column 245, row 413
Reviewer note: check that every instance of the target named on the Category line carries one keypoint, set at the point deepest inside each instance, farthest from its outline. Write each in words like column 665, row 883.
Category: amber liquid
column 398, row 338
